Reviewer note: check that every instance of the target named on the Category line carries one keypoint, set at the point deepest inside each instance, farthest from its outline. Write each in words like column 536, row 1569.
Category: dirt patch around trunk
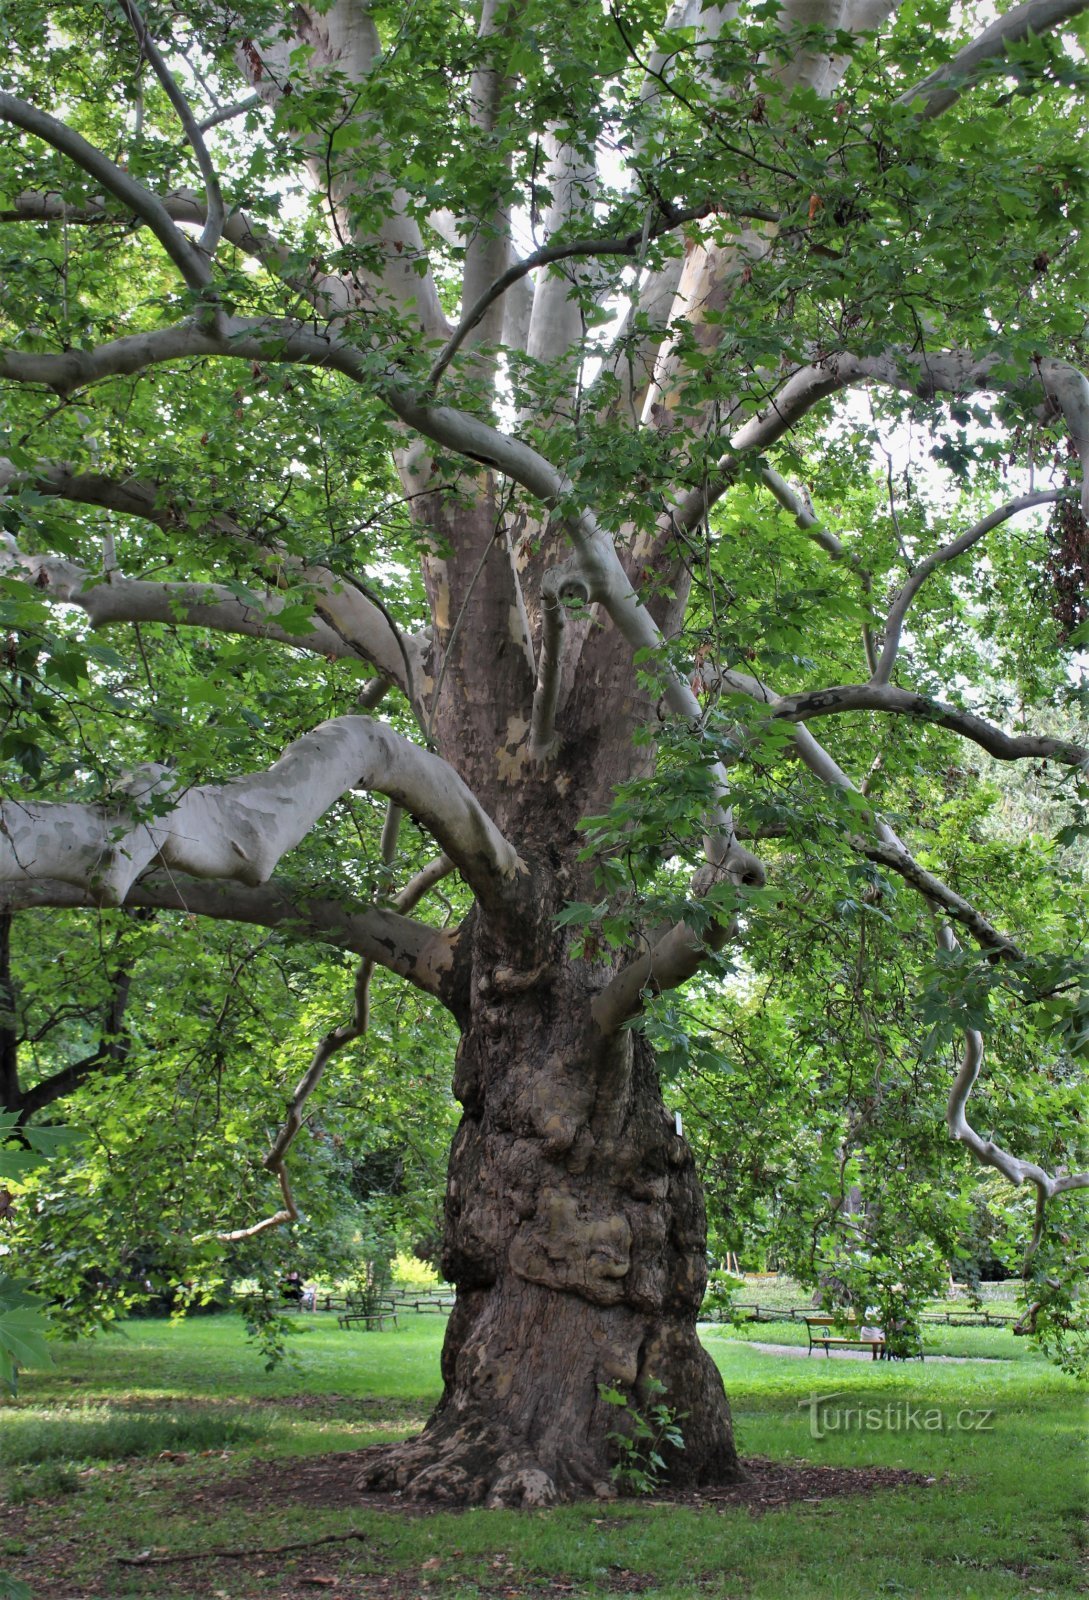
column 44, row 1549
column 330, row 1481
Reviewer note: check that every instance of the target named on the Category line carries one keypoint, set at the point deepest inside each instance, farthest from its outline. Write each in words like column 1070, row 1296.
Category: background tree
column 455, row 361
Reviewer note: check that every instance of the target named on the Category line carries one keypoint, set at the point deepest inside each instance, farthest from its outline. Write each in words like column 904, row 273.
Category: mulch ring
column 330, row 1481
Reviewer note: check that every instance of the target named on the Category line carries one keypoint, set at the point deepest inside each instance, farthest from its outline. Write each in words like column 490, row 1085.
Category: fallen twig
column 147, row 1559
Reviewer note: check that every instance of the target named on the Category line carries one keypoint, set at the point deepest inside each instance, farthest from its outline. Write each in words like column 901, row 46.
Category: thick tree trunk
column 575, row 1234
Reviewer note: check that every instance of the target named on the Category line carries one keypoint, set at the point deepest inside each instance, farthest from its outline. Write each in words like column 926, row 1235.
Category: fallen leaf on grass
column 319, row 1583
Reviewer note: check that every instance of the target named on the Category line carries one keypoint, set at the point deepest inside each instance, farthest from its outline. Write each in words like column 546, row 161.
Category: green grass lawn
column 130, row 1441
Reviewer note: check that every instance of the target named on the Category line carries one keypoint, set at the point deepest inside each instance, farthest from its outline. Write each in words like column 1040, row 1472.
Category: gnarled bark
column 575, row 1229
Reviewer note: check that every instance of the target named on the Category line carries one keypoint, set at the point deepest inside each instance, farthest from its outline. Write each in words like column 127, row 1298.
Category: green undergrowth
column 132, row 1442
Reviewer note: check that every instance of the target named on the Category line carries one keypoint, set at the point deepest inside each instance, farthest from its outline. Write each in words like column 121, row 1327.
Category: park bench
column 369, row 1318
column 821, row 1337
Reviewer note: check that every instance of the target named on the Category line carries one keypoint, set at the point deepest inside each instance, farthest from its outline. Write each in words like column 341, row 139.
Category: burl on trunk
column 575, row 1234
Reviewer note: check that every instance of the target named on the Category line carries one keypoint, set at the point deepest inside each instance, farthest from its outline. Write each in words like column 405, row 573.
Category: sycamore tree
column 474, row 437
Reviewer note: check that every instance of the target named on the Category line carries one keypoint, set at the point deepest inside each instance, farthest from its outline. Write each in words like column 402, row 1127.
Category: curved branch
column 894, row 623
column 888, row 848
column 276, row 1159
column 630, row 244
column 240, row 829
column 201, row 605
column 923, row 373
column 894, row 853
column 348, row 625
column 674, row 958
column 192, row 265
column 334, row 1041
column 423, row 882
column 985, row 1150
column 112, row 1048
column 252, row 102
column 885, row 697
column 900, row 861
column 253, row 338
column 600, row 565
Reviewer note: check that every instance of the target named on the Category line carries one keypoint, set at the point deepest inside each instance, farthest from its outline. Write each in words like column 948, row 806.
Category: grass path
column 795, row 1350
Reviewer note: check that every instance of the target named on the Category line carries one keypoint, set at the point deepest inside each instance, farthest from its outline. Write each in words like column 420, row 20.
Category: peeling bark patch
column 442, row 598
column 512, row 756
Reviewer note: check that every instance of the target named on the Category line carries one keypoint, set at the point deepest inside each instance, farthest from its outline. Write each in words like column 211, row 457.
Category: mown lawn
column 131, row 1443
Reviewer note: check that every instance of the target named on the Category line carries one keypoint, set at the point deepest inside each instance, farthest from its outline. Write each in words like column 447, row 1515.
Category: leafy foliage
column 644, row 1431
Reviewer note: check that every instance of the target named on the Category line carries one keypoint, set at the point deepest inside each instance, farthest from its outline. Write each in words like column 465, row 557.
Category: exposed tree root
column 473, row 1465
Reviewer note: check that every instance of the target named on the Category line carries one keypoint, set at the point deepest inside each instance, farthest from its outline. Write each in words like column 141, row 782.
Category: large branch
column 423, row 956
column 945, row 85
column 342, row 46
column 673, row 958
column 348, row 625
column 599, row 565
column 926, row 374
column 239, row 830
column 188, row 259
column 488, row 241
